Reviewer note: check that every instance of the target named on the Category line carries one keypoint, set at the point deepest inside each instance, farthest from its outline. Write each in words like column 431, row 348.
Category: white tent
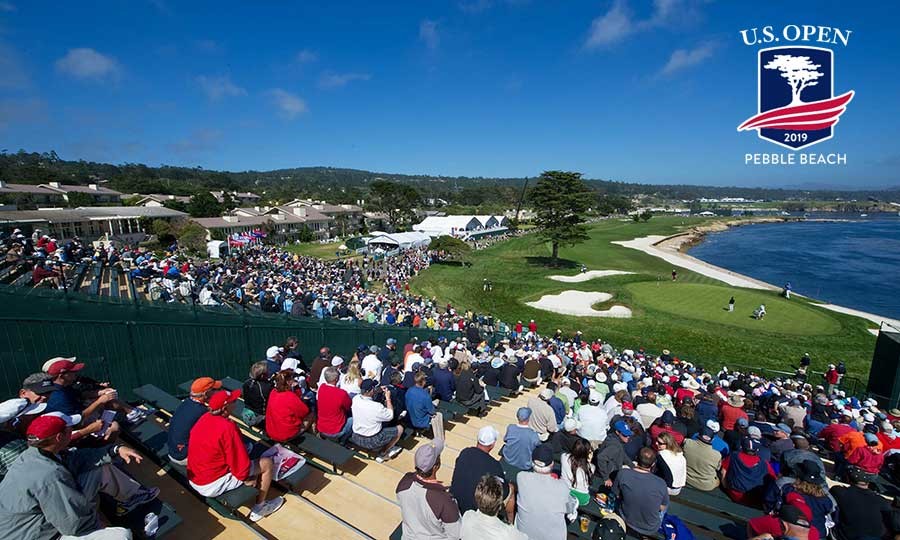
column 435, row 226
column 404, row 240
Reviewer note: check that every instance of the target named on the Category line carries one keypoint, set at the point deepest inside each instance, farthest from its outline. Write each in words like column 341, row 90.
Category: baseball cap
column 794, row 515
column 203, row 385
column 373, row 349
column 783, row 428
column 16, row 407
column 594, row 398
column 524, row 413
column 808, row 472
column 667, row 417
column 627, row 406
column 546, row 394
column 754, row 432
column 871, row 438
column 273, row 350
column 39, row 383
column 749, row 445
column 858, row 475
column 743, row 422
column 706, row 434
column 571, row 424
column 391, row 341
column 623, row 428
column 428, row 454
column 48, row 425
column 542, row 455
column 222, row 398
column 367, row 385
column 337, row 361
column 487, row 435
column 57, row 366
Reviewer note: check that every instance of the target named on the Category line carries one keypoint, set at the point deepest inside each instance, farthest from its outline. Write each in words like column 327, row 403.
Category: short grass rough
column 688, row 316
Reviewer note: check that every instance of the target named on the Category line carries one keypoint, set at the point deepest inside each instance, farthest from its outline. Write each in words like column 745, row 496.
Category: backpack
column 672, row 528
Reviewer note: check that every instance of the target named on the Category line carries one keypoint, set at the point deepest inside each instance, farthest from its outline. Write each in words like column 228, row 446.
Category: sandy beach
column 669, row 248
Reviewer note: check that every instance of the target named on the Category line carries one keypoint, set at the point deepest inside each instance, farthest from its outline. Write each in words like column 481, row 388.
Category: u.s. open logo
column 797, row 106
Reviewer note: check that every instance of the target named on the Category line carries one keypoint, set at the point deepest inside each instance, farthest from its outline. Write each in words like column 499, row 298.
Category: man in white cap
column 426, row 505
column 543, row 501
column 543, row 419
column 473, row 463
column 594, row 420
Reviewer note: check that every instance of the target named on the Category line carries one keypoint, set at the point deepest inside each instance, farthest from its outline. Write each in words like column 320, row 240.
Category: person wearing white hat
column 594, row 420
column 543, row 419
column 473, row 463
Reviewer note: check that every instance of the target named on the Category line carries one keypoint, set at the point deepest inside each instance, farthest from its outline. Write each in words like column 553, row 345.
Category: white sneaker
column 262, row 510
column 392, row 453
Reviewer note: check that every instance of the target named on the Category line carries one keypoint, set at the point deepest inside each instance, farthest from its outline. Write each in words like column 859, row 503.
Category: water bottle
column 151, row 525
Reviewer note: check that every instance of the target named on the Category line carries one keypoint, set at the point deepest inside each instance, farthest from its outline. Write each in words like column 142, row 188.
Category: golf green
column 709, row 303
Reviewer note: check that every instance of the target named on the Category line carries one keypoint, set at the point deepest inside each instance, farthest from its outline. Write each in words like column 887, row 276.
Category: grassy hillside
column 687, row 317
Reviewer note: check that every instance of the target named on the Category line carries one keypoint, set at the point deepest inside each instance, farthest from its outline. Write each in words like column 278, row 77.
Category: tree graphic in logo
column 799, row 71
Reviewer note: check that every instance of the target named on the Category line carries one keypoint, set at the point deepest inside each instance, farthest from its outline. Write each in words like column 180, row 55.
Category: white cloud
column 306, row 56
column 428, row 33
column 88, row 64
column 610, row 28
column 289, row 105
column 619, row 22
column 7, row 7
column 217, row 88
column 337, row 80
column 13, row 74
column 685, row 58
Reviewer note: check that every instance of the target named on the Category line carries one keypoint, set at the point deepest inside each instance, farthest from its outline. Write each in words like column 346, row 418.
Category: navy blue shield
column 797, row 106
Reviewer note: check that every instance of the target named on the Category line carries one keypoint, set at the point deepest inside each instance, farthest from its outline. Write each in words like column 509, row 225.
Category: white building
column 403, row 240
column 462, row 226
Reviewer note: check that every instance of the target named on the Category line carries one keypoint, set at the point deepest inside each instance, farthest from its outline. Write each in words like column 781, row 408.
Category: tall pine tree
column 560, row 200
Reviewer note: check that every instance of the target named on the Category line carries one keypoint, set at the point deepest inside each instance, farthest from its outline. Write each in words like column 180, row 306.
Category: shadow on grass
column 547, row 262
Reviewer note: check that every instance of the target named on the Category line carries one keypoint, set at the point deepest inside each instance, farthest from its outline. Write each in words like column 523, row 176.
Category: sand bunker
column 579, row 303
column 578, row 278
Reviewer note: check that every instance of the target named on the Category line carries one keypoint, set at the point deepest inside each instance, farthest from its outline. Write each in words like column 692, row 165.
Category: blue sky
column 639, row 91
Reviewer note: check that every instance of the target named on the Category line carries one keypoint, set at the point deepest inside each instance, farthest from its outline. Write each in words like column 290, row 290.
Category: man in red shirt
column 731, row 411
column 532, row 327
column 832, row 433
column 218, row 460
column 792, row 521
column 334, row 405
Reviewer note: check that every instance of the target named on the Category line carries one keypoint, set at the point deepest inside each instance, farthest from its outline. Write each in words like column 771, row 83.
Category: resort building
column 112, row 223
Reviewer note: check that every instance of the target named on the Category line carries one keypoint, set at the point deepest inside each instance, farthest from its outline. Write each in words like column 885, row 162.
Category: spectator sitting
column 274, row 359
column 186, row 415
column 520, row 441
column 732, row 410
column 543, row 501
column 782, row 443
column 576, row 469
column 671, row 464
column 642, row 496
column 610, row 456
column 419, row 407
column 371, row 366
column 319, row 364
column 703, row 462
column 744, row 474
column 50, row 492
column 869, row 458
column 543, row 416
column 665, row 424
column 444, row 382
column 863, row 513
column 469, row 392
column 564, row 439
column 471, row 465
column 811, row 491
column 832, row 433
column 218, row 461
column 428, row 509
column 792, row 522
column 333, row 407
column 352, row 378
column 368, row 418
column 594, row 421
column 482, row 522
column 256, row 390
column 509, row 373
column 648, row 410
column 560, row 408
column 286, row 414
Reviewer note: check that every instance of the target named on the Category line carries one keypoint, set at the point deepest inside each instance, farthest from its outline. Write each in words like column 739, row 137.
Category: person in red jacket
column 868, row 458
column 286, row 414
column 832, row 377
column 218, row 460
column 333, row 406
column 732, row 410
column 832, row 433
column 532, row 327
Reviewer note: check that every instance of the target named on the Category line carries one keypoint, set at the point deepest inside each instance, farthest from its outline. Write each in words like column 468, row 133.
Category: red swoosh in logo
column 806, row 117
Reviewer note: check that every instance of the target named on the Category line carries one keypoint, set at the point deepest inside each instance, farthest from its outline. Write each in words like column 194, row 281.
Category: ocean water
column 853, row 263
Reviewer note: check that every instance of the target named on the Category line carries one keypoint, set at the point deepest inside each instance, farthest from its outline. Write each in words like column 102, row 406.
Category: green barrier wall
column 131, row 344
